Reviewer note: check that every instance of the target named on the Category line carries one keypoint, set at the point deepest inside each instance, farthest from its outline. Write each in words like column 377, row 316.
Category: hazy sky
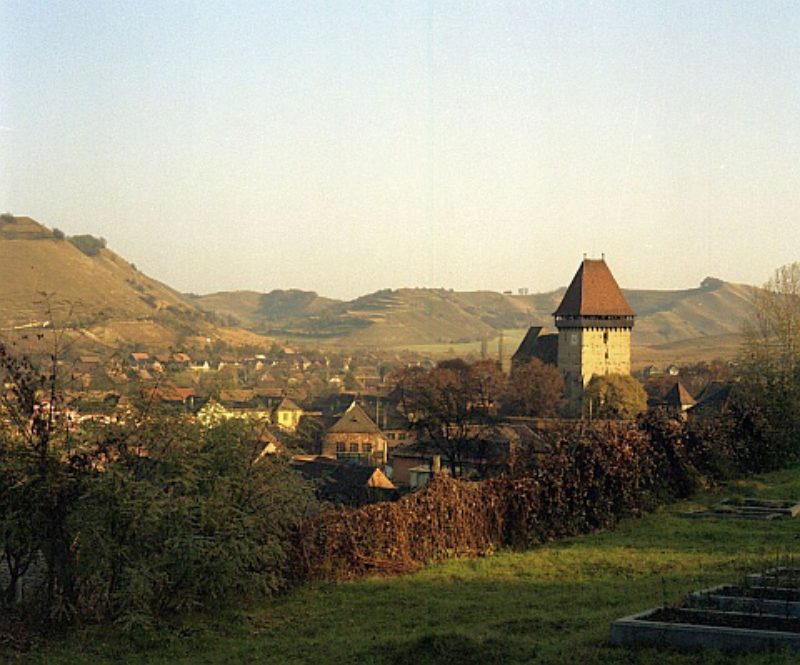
column 349, row 146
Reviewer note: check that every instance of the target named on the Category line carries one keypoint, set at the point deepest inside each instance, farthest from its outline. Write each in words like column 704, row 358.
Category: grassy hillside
column 97, row 291
column 78, row 283
column 441, row 319
column 551, row 605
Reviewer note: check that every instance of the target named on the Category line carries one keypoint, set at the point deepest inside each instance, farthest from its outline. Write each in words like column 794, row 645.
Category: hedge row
column 591, row 476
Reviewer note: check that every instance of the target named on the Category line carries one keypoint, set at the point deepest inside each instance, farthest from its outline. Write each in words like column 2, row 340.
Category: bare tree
column 773, row 333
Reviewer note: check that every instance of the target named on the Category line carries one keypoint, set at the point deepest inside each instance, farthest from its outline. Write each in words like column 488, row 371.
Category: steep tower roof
column 594, row 292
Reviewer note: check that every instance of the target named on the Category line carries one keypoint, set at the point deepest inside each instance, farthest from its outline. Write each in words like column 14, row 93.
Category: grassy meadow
column 552, row 604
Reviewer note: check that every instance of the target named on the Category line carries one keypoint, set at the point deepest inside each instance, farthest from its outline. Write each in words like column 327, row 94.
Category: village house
column 355, row 437
column 712, row 401
column 678, row 400
column 89, row 364
column 139, row 359
column 183, row 399
column 342, row 483
column 287, row 415
column 489, row 450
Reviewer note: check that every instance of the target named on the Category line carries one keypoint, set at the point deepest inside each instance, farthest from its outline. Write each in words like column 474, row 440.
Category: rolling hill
column 98, row 293
column 666, row 320
column 78, row 284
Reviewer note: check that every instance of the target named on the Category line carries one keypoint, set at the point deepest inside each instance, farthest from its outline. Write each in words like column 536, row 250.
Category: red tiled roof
column 594, row 292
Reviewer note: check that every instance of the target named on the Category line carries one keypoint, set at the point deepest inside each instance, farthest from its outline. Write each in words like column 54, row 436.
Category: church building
column 594, row 324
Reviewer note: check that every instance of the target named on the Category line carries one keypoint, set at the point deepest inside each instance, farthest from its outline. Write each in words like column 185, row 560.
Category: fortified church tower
column 594, row 324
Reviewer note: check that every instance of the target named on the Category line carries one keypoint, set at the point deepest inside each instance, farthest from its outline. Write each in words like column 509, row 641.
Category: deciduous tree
column 614, row 397
column 453, row 406
column 534, row 389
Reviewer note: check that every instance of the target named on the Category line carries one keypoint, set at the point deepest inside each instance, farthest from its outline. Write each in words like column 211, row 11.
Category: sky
column 345, row 147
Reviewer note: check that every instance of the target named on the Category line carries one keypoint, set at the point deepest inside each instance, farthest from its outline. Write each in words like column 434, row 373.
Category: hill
column 113, row 304
column 79, row 284
column 438, row 317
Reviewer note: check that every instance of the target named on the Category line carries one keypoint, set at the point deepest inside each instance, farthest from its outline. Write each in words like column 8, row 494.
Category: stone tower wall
column 605, row 351
column 584, row 352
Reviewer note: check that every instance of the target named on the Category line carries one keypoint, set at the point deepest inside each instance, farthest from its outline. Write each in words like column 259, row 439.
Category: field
column 553, row 604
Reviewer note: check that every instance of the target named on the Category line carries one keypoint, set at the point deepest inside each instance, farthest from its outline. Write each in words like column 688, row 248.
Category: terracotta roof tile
column 594, row 292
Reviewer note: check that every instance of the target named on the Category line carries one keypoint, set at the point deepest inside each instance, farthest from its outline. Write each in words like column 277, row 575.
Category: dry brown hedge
column 591, row 477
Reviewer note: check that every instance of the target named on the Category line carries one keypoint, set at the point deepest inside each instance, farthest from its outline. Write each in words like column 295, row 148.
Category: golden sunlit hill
column 77, row 283
column 688, row 324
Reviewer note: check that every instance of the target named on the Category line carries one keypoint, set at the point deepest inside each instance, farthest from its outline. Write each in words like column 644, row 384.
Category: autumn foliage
column 591, row 476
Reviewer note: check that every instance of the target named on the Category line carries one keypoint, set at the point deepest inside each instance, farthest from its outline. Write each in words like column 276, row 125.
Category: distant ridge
column 438, row 316
column 115, row 305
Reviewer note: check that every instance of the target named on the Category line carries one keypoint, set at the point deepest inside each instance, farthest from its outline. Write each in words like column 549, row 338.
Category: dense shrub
column 141, row 522
column 591, row 476
column 88, row 244
column 193, row 524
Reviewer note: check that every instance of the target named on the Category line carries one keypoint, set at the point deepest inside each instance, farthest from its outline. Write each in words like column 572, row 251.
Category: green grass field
column 553, row 604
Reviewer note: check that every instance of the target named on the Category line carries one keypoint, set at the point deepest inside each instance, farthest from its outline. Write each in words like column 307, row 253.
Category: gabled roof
column 89, row 360
column 594, row 292
column 287, row 405
column 355, row 421
column 170, row 393
column 527, row 347
column 711, row 389
column 713, row 402
column 237, row 395
column 341, row 482
column 678, row 396
column 536, row 345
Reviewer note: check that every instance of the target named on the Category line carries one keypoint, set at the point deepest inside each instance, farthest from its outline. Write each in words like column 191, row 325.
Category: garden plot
column 749, row 508
column 764, row 611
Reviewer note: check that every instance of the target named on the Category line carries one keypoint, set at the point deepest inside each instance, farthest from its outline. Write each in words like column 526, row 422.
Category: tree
column 614, row 397
column 138, row 520
column 453, row 407
column 768, row 405
column 534, row 389
column 88, row 244
column 42, row 475
column 773, row 332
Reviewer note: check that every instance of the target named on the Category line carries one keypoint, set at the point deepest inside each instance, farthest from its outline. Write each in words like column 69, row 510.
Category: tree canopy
column 614, row 397
column 534, row 389
column 453, row 406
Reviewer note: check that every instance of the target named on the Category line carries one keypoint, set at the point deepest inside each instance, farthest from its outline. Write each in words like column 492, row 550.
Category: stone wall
column 584, row 352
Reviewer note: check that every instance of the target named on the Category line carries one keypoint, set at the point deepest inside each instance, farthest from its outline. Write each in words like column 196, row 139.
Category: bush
column 136, row 523
column 58, row 234
column 614, row 396
column 88, row 244
column 195, row 523
column 591, row 476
